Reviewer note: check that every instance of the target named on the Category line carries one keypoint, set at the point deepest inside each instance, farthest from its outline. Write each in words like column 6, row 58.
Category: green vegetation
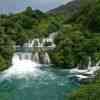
column 89, row 19
column 87, row 92
column 78, row 37
column 90, row 91
column 6, row 49
column 20, row 27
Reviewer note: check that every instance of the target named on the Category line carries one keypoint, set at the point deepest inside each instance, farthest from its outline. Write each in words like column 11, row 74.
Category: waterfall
column 24, row 61
column 87, row 73
column 53, row 35
column 90, row 63
column 24, row 55
column 98, row 63
column 36, row 57
column 16, row 58
column 36, row 50
column 20, row 67
column 47, row 58
column 42, row 58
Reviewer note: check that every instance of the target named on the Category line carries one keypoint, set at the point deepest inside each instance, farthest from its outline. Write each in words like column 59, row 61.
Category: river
column 25, row 81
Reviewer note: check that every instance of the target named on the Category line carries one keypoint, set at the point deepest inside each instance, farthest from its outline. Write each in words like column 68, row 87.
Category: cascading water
column 24, row 55
column 98, row 63
column 36, row 57
column 22, row 66
column 90, row 72
column 42, row 58
column 47, row 58
column 90, row 63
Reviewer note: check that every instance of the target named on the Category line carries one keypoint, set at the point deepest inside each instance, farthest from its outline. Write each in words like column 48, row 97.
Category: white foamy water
column 20, row 68
column 86, row 73
column 47, row 58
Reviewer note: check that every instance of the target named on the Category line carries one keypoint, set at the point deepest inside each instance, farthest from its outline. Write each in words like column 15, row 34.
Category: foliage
column 90, row 91
column 79, row 38
column 20, row 27
column 87, row 92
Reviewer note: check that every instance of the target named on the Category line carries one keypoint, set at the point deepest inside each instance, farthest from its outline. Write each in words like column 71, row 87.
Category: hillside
column 68, row 9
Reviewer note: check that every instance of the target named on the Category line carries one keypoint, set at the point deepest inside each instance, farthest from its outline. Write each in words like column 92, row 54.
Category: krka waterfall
column 36, row 51
column 29, row 79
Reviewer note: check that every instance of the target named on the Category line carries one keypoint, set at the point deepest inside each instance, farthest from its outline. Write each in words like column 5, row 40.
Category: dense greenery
column 91, row 91
column 87, row 92
column 6, row 49
column 78, row 38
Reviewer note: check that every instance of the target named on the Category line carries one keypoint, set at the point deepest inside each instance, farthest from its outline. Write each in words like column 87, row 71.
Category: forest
column 89, row 20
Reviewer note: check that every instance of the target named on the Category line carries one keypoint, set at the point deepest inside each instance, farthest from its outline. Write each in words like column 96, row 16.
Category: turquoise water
column 47, row 84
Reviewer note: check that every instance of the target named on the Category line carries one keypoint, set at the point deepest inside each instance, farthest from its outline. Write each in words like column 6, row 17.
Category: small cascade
column 47, row 58
column 90, row 63
column 20, row 67
column 36, row 57
column 24, row 55
column 90, row 72
column 36, row 49
column 53, row 35
column 16, row 58
column 98, row 63
column 42, row 58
